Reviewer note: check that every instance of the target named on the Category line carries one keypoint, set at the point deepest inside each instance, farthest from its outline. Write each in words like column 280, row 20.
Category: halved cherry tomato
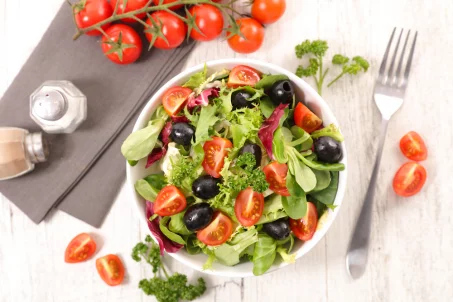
column 276, row 177
column 169, row 201
column 175, row 7
column 413, row 146
column 409, row 179
column 111, row 269
column 81, row 248
column 92, row 12
column 215, row 151
column 242, row 75
column 307, row 120
column 131, row 5
column 249, row 206
column 174, row 99
column 218, row 231
column 268, row 11
column 305, row 227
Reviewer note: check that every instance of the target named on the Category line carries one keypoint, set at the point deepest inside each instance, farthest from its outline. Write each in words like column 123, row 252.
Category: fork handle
column 357, row 255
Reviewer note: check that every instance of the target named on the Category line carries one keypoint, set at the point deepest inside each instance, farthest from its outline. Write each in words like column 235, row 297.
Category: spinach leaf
column 264, row 254
column 327, row 196
column 132, row 163
column 230, row 252
column 331, row 130
column 296, row 204
column 273, row 209
column 278, row 146
column 322, row 180
column 192, row 247
column 177, row 225
column 225, row 96
column 206, row 120
column 268, row 80
column 158, row 181
column 140, row 143
column 146, row 190
column 316, row 165
column 305, row 177
column 196, row 79
column 169, row 234
column 266, row 106
column 303, row 139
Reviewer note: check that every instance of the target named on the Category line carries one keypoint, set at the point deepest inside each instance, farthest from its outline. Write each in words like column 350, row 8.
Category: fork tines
column 387, row 74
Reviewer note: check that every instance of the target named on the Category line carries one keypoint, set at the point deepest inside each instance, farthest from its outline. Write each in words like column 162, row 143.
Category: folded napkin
column 85, row 168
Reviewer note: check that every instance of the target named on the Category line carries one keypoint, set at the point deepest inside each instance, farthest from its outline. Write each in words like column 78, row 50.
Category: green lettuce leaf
column 196, row 79
column 269, row 79
column 331, row 130
column 230, row 252
column 206, row 120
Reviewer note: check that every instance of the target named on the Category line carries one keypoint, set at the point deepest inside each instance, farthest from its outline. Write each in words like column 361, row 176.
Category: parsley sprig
column 172, row 289
column 316, row 50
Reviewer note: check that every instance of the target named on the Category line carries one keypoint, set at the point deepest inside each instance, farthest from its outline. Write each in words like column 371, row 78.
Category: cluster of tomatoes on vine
column 166, row 29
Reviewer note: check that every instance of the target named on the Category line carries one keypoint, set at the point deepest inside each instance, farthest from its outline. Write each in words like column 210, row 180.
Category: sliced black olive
column 255, row 150
column 205, row 187
column 198, row 216
column 278, row 229
column 182, row 133
column 281, row 92
column 328, row 150
column 239, row 99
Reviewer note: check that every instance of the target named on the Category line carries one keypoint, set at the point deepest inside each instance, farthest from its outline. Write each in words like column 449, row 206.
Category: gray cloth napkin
column 85, row 169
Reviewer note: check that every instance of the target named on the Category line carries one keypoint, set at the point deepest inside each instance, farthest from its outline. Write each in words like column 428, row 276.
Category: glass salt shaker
column 20, row 150
column 58, row 106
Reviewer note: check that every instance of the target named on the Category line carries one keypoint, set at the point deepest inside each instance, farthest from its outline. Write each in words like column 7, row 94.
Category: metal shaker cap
column 50, row 105
column 37, row 147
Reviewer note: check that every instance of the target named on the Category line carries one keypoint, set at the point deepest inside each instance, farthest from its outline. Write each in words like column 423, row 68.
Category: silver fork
column 389, row 93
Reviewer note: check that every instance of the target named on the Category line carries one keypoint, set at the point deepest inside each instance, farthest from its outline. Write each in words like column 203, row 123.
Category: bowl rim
column 176, row 80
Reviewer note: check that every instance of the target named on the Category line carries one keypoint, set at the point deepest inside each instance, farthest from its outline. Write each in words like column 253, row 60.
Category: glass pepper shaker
column 20, row 151
column 58, row 106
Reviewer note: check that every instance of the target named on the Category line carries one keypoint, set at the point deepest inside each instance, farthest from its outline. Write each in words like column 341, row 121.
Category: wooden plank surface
column 411, row 255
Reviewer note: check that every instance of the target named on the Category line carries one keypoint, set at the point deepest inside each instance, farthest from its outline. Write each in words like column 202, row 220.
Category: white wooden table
column 411, row 256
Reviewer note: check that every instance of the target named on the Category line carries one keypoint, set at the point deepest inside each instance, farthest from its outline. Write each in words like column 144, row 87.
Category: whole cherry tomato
column 268, row 11
column 131, row 5
column 124, row 45
column 173, row 28
column 92, row 12
column 252, row 36
column 209, row 21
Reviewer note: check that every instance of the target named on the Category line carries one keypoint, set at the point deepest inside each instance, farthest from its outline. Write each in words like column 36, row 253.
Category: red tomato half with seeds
column 173, row 28
column 174, row 99
column 413, row 146
column 124, row 45
column 94, row 11
column 409, row 179
column 276, row 177
column 218, row 231
column 111, row 269
column 173, row 7
column 248, row 207
column 81, row 248
column 209, row 20
column 131, row 5
column 307, row 120
column 305, row 228
column 215, row 151
column 169, row 201
column 242, row 75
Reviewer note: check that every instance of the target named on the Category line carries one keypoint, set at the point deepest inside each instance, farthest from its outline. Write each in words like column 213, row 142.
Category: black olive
column 198, row 216
column 239, row 99
column 182, row 133
column 278, row 229
column 281, row 92
column 205, row 187
column 328, row 150
column 255, row 150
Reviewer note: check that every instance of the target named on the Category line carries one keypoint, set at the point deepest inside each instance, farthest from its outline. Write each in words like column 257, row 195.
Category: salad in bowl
column 237, row 166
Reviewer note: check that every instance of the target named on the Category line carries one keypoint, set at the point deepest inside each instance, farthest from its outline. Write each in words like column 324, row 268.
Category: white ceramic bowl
column 314, row 102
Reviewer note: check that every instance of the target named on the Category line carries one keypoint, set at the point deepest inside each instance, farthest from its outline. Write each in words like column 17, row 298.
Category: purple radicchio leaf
column 158, row 153
column 180, row 119
column 266, row 132
column 165, row 244
column 202, row 99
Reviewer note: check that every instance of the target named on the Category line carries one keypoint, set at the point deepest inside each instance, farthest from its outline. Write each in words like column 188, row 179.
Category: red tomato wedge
column 215, row 151
column 249, row 206
column 242, row 75
column 305, row 227
column 307, row 120
column 218, row 231
column 409, row 179
column 111, row 269
column 169, row 201
column 276, row 177
column 81, row 248
column 413, row 146
column 174, row 99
